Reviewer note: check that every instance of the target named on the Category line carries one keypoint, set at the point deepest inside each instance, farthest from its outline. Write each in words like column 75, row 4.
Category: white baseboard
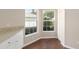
column 31, row 42
column 47, row 37
column 67, row 46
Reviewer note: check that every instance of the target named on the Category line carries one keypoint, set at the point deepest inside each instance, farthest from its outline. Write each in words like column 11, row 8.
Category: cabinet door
column 15, row 42
column 4, row 45
column 18, row 42
column 8, row 44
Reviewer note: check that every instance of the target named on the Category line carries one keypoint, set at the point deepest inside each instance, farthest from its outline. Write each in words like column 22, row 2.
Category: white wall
column 61, row 25
column 31, row 38
column 11, row 17
column 72, row 28
column 68, row 27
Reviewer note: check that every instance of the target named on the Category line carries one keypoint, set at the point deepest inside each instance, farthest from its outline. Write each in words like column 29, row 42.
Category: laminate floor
column 51, row 43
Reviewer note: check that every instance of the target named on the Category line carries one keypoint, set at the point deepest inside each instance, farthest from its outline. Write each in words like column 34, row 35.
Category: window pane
column 48, row 20
column 48, row 25
column 30, row 21
column 48, row 14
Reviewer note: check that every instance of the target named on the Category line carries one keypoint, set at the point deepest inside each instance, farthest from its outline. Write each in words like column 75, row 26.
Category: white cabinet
column 14, row 42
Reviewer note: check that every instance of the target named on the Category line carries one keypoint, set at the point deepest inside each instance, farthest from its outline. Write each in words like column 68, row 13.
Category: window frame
column 30, row 34
column 49, row 20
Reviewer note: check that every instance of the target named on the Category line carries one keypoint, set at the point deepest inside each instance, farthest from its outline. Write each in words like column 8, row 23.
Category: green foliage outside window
column 48, row 15
column 48, row 25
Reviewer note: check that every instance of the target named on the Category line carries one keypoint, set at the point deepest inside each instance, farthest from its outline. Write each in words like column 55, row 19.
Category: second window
column 48, row 20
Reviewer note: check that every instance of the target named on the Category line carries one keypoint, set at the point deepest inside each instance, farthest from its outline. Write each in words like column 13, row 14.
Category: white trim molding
column 47, row 37
column 67, row 46
column 31, row 42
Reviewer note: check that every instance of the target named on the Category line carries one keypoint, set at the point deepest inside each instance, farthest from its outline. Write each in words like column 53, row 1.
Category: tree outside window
column 48, row 24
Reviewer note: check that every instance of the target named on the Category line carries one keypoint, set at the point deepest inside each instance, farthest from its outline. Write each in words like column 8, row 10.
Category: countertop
column 6, row 33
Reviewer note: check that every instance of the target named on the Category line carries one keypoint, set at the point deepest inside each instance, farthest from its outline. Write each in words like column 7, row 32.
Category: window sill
column 48, row 31
column 30, row 34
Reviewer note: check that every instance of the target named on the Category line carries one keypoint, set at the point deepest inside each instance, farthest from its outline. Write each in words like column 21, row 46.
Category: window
column 48, row 20
column 30, row 21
